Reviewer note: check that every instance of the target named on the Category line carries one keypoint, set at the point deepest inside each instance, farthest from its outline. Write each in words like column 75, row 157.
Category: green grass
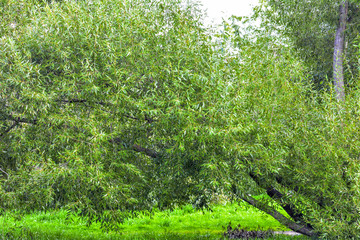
column 181, row 223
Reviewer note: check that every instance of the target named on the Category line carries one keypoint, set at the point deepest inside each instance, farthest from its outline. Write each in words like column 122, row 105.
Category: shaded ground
column 239, row 233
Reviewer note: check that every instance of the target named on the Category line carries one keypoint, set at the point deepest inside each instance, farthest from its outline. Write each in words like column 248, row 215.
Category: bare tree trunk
column 338, row 71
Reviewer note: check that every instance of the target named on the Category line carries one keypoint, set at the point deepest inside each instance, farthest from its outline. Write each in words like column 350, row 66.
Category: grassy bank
column 180, row 223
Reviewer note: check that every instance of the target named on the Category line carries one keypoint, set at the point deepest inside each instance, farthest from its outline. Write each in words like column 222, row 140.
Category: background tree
column 312, row 26
column 338, row 62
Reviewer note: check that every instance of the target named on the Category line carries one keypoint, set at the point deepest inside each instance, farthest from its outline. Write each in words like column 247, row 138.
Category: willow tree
column 109, row 106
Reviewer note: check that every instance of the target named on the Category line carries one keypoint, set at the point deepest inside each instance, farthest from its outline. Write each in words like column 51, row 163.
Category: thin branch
column 86, row 105
column 18, row 119
column 9, row 129
column 72, row 101
column 147, row 151
column 147, row 118
column 272, row 113
column 131, row 117
column 137, row 148
column 7, row 175
column 83, row 101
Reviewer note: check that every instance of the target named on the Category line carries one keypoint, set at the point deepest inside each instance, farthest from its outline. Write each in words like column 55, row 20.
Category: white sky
column 218, row 9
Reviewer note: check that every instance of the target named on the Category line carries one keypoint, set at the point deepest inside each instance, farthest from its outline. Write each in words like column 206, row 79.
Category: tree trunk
column 338, row 71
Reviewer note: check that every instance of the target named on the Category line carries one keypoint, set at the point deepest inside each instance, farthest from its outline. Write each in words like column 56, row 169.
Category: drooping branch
column 299, row 228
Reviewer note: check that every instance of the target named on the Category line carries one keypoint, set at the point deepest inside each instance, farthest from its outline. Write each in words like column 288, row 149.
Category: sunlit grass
column 186, row 219
column 180, row 223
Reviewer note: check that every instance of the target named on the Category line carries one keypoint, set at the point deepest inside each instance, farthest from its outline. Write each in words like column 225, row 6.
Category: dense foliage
column 108, row 106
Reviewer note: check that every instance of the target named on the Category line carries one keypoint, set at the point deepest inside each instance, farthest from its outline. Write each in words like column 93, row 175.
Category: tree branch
column 289, row 209
column 18, row 119
column 83, row 101
column 148, row 119
column 146, row 151
column 137, row 148
column 279, row 217
column 277, row 195
column 7, row 175
column 9, row 129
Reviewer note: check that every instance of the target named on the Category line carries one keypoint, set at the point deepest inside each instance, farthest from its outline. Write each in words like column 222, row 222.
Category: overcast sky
column 218, row 9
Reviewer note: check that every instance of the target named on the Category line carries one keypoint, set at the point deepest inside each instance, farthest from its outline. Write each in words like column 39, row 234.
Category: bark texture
column 338, row 71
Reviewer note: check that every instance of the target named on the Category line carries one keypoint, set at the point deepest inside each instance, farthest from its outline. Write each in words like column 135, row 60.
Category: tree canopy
column 110, row 106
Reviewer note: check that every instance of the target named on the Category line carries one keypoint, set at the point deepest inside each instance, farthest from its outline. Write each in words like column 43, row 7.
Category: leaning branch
column 279, row 217
column 289, row 209
column 277, row 195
